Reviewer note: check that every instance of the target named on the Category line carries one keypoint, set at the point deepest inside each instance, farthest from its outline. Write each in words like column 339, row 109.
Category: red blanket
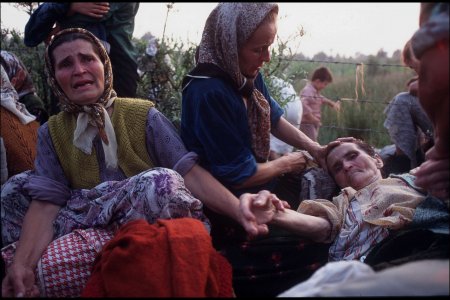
column 172, row 258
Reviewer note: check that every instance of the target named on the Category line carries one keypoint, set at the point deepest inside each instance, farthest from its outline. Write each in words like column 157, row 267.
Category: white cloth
column 85, row 133
column 356, row 279
column 293, row 112
column 333, row 273
column 10, row 100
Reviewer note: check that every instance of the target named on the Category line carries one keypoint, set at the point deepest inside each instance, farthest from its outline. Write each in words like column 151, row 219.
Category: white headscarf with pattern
column 10, row 100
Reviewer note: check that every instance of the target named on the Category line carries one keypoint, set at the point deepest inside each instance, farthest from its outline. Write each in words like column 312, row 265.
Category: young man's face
column 351, row 166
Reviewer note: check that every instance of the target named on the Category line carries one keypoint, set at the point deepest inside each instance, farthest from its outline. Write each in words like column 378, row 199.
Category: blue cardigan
column 214, row 124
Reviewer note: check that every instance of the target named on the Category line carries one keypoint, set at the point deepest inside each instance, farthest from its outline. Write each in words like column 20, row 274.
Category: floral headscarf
column 10, row 99
column 17, row 73
column 227, row 29
column 92, row 118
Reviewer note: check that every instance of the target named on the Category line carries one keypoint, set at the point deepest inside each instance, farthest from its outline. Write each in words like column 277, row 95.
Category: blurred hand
column 337, row 106
column 434, row 174
column 91, row 9
column 54, row 31
column 19, row 282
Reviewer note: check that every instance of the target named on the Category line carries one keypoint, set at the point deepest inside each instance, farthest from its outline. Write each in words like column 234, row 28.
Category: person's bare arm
column 290, row 162
column 37, row 233
column 295, row 137
column 315, row 228
column 219, row 199
column 291, row 135
column 334, row 105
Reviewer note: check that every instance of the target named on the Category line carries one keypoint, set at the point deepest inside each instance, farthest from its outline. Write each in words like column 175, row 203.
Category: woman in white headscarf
column 18, row 131
column 227, row 117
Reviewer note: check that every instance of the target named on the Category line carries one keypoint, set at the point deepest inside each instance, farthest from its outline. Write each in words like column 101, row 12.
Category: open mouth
column 83, row 83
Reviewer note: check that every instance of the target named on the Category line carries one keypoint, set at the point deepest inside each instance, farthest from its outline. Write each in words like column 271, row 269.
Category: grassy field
column 361, row 114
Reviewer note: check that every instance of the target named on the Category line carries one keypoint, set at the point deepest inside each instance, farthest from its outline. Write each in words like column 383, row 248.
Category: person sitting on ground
column 312, row 102
column 408, row 125
column 18, row 131
column 23, row 84
column 101, row 162
column 112, row 23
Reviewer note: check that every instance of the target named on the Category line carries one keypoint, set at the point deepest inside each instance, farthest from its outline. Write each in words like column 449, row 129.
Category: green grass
column 360, row 117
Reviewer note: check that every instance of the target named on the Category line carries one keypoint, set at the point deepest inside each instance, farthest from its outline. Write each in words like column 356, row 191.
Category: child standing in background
column 312, row 102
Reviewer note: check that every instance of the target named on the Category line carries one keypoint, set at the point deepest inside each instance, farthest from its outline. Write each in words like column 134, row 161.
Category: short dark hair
column 360, row 144
column 323, row 74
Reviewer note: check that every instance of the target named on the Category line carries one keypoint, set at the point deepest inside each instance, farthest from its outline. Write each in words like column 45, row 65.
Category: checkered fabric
column 65, row 265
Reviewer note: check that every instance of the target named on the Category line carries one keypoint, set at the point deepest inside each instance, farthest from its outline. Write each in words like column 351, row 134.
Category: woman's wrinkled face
column 351, row 166
column 256, row 51
column 79, row 71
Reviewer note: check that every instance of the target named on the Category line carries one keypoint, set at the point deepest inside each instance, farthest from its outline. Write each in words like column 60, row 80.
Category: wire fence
column 370, row 126
column 342, row 62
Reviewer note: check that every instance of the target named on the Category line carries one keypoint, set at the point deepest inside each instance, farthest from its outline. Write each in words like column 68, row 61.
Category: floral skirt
column 90, row 219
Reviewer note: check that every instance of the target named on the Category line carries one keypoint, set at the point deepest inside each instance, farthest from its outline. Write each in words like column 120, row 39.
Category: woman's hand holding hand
column 434, row 174
column 19, row 282
column 259, row 209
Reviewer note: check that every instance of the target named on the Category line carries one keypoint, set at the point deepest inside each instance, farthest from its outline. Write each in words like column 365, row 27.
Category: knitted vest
column 20, row 142
column 128, row 119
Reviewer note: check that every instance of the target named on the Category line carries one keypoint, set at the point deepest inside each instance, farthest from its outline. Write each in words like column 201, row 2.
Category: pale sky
column 334, row 28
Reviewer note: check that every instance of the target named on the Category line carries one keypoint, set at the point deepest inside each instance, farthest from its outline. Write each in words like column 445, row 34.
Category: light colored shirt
column 312, row 100
column 361, row 219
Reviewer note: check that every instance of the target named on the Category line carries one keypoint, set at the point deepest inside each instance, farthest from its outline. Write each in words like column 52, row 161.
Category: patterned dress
column 91, row 216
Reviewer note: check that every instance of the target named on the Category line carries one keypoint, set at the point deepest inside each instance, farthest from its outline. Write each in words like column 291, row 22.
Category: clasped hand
column 260, row 209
